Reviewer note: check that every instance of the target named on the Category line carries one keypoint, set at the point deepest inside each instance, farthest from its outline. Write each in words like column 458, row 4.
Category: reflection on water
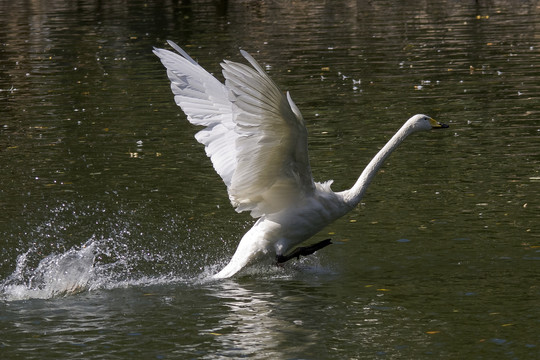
column 251, row 325
column 113, row 218
column 285, row 321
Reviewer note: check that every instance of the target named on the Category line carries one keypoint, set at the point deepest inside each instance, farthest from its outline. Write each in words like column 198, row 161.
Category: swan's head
column 422, row 122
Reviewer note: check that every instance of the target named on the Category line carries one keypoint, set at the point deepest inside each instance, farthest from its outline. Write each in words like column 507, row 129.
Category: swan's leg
column 303, row 251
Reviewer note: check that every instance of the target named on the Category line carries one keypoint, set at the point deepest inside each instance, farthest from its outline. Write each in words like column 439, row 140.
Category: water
column 113, row 219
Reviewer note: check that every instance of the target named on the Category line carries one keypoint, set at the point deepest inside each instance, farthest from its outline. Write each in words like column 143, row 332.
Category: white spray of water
column 56, row 275
column 80, row 269
column 116, row 261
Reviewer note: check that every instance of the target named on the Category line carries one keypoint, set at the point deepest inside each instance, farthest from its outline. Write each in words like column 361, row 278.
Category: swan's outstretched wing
column 254, row 135
column 206, row 102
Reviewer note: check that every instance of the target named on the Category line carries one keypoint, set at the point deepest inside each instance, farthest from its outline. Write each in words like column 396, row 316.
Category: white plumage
column 257, row 141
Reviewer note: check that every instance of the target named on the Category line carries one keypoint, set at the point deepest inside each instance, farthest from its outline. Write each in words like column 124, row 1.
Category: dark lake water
column 112, row 218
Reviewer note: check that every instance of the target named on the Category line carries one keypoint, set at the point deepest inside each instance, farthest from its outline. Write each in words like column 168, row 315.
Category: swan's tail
column 232, row 268
column 252, row 247
column 241, row 258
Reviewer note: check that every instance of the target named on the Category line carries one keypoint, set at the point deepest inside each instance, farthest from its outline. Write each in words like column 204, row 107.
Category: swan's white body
column 257, row 141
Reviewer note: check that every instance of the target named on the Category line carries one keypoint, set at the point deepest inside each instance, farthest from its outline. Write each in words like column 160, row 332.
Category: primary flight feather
column 256, row 139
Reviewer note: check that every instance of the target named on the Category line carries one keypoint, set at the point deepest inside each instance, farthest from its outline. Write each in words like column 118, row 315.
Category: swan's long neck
column 355, row 194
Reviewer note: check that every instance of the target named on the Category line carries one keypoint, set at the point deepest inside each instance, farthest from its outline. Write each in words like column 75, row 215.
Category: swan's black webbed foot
column 303, row 251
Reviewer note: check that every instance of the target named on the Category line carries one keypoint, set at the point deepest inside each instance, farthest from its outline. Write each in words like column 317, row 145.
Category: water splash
column 98, row 264
column 66, row 253
column 55, row 275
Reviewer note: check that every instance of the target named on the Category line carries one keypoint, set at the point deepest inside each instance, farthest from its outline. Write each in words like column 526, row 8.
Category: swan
column 255, row 136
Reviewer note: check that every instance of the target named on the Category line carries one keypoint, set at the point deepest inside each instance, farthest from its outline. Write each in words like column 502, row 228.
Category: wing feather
column 254, row 134
column 206, row 102
column 273, row 167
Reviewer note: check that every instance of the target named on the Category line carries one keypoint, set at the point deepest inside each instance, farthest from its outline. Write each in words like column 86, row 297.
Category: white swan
column 257, row 141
